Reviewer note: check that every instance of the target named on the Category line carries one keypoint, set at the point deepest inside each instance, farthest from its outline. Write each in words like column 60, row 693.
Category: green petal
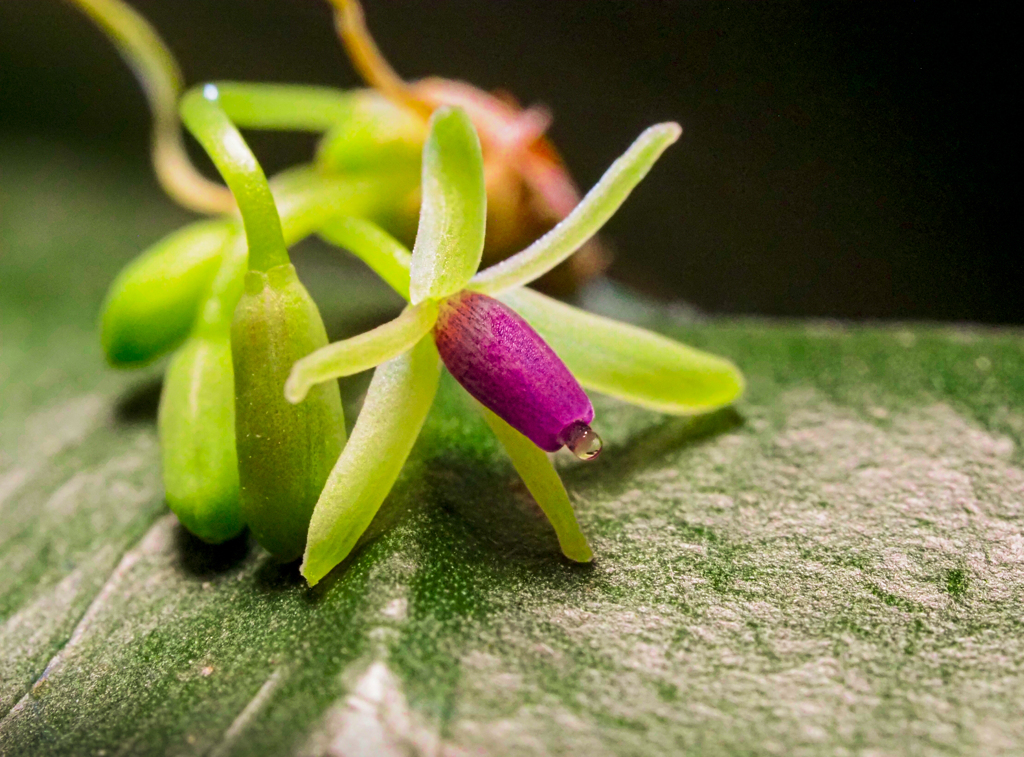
column 450, row 238
column 385, row 255
column 361, row 352
column 396, row 405
column 628, row 362
column 585, row 220
column 541, row 478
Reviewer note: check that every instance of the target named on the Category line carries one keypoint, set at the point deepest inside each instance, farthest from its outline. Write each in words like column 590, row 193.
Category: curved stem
column 210, row 125
column 307, row 200
column 157, row 72
column 372, row 66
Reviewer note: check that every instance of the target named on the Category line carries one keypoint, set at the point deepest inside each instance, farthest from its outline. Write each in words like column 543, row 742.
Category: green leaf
column 848, row 535
column 586, row 219
column 397, row 403
column 628, row 362
column 362, row 352
column 453, row 213
column 540, row 477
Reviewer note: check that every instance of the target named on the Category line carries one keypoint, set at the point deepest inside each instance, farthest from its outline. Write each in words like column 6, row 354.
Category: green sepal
column 628, row 362
column 453, row 211
column 285, row 451
column 544, row 483
column 397, row 403
column 152, row 304
column 196, row 424
column 589, row 215
column 384, row 254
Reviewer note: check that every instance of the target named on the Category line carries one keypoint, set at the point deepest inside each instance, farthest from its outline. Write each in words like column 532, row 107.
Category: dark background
column 853, row 159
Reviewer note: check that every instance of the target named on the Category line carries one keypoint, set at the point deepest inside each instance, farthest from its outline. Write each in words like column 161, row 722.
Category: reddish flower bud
column 504, row 364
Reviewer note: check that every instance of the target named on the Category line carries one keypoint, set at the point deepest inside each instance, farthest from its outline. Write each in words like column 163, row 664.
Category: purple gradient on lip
column 504, row 364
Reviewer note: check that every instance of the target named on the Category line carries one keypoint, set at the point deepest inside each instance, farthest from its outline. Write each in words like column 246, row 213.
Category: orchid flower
column 503, row 343
column 529, row 188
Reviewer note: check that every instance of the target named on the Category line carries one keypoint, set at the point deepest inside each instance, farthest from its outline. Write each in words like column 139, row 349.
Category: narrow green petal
column 541, row 478
column 385, row 255
column 585, row 220
column 361, row 352
column 396, row 406
column 628, row 362
column 450, row 238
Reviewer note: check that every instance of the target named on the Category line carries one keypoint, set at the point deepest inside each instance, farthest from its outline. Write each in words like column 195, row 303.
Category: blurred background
column 839, row 159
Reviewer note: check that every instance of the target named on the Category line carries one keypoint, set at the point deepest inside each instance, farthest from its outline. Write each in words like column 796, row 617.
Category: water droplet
column 583, row 441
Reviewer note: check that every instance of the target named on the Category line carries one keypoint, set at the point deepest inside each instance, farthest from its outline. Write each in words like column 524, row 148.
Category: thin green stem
column 306, row 199
column 210, row 125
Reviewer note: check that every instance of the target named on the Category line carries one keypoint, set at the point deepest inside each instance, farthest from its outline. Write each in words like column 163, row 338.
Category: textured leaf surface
column 835, row 567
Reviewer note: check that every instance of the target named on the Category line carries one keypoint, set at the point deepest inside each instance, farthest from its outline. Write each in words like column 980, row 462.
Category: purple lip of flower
column 505, row 364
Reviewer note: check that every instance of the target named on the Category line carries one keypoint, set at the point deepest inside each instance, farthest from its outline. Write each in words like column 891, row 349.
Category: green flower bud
column 285, row 451
column 375, row 135
column 152, row 304
column 197, row 437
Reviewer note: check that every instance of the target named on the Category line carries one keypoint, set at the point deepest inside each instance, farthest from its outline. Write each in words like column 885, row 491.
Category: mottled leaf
column 834, row 566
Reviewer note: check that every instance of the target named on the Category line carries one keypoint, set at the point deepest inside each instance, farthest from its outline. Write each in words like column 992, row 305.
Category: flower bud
column 376, row 135
column 285, row 451
column 152, row 304
column 507, row 367
column 197, row 438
